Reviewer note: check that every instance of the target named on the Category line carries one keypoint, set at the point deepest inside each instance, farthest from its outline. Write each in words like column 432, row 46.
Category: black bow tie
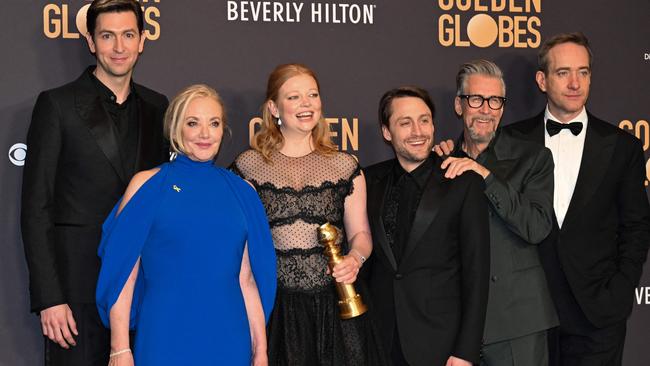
column 554, row 127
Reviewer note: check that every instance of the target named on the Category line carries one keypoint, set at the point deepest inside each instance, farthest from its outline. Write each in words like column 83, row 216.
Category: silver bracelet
column 117, row 353
column 362, row 259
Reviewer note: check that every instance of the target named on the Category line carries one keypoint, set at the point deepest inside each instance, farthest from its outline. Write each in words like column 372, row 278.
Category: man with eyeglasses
column 519, row 188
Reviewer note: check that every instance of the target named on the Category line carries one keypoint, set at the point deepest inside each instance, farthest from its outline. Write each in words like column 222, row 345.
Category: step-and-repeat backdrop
column 358, row 48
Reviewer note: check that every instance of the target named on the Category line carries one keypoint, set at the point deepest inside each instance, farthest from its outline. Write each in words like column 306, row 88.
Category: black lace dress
column 299, row 194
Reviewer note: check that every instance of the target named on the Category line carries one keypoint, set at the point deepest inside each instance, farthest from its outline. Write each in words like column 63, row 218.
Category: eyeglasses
column 476, row 101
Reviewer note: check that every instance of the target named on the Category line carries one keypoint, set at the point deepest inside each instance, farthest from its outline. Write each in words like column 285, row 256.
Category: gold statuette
column 350, row 303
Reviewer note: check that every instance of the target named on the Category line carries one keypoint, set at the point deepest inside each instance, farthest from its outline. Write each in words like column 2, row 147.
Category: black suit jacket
column 72, row 178
column 437, row 294
column 604, row 239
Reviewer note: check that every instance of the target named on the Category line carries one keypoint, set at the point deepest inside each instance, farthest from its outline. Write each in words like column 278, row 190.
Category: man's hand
column 444, row 148
column 453, row 361
column 58, row 323
column 458, row 166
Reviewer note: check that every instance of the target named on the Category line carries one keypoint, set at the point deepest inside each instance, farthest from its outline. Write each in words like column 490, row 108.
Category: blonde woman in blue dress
column 187, row 256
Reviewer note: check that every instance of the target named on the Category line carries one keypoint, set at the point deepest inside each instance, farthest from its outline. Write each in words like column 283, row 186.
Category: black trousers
column 396, row 353
column 93, row 341
column 587, row 347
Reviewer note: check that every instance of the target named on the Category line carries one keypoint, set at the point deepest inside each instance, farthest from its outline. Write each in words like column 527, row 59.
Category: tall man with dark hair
column 519, row 187
column 594, row 257
column 428, row 276
column 86, row 140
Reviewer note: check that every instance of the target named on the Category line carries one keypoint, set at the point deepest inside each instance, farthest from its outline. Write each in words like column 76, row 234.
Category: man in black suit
column 86, row 140
column 428, row 277
column 594, row 257
column 519, row 187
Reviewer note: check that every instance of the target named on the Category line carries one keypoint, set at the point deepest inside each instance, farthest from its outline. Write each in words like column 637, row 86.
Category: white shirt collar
column 582, row 117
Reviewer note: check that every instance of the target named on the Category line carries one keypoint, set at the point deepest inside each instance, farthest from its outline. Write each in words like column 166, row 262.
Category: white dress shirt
column 567, row 156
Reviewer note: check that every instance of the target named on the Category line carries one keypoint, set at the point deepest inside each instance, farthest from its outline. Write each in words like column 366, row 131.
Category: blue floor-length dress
column 189, row 225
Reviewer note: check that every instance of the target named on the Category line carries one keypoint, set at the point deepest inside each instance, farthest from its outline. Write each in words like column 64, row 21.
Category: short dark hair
column 558, row 39
column 112, row 6
column 386, row 101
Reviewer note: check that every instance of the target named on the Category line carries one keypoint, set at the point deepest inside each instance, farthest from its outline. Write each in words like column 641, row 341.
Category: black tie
column 554, row 127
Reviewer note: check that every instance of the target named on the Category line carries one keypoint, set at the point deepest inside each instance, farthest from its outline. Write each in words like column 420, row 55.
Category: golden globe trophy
column 350, row 303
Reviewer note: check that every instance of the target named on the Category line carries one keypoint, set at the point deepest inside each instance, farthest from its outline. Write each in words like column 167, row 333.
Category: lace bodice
column 299, row 194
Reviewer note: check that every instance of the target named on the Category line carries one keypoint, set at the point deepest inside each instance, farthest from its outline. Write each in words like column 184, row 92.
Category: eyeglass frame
column 483, row 99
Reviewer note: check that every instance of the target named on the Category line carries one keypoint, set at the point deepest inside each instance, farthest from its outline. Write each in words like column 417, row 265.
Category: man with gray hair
column 519, row 188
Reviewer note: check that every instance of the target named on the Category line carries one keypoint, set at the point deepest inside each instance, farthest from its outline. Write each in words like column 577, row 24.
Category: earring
column 279, row 122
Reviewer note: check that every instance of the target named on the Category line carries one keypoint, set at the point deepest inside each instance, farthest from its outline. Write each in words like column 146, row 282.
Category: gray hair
column 477, row 67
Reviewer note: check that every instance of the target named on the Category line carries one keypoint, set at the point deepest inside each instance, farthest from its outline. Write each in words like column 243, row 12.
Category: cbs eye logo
column 17, row 154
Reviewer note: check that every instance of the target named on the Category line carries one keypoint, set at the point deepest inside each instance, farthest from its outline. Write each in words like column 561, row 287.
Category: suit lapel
column 377, row 197
column 537, row 130
column 428, row 208
column 596, row 155
column 498, row 159
column 499, row 167
column 532, row 129
column 89, row 108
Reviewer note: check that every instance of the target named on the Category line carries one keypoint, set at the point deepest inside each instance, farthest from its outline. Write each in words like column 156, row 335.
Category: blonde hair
column 176, row 112
column 269, row 138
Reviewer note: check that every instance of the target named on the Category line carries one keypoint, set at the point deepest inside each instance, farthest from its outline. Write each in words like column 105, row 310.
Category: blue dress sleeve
column 123, row 237
column 261, row 252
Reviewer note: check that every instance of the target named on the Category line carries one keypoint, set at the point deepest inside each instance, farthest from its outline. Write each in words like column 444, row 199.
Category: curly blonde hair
column 269, row 138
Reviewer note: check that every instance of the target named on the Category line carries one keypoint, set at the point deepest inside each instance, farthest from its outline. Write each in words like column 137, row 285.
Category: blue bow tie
column 554, row 127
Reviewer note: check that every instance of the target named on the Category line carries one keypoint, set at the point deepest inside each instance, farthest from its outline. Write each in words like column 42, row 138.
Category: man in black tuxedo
column 594, row 257
column 519, row 187
column 86, row 140
column 428, row 276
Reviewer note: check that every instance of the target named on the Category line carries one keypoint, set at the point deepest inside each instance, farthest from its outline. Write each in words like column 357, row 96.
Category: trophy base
column 352, row 307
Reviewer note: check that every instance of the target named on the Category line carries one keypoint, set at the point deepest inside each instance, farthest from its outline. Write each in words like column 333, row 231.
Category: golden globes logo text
column 343, row 131
column 483, row 23
column 640, row 129
column 68, row 21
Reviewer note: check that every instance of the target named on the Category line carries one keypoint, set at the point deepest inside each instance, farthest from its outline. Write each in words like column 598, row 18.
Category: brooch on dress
column 176, row 188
